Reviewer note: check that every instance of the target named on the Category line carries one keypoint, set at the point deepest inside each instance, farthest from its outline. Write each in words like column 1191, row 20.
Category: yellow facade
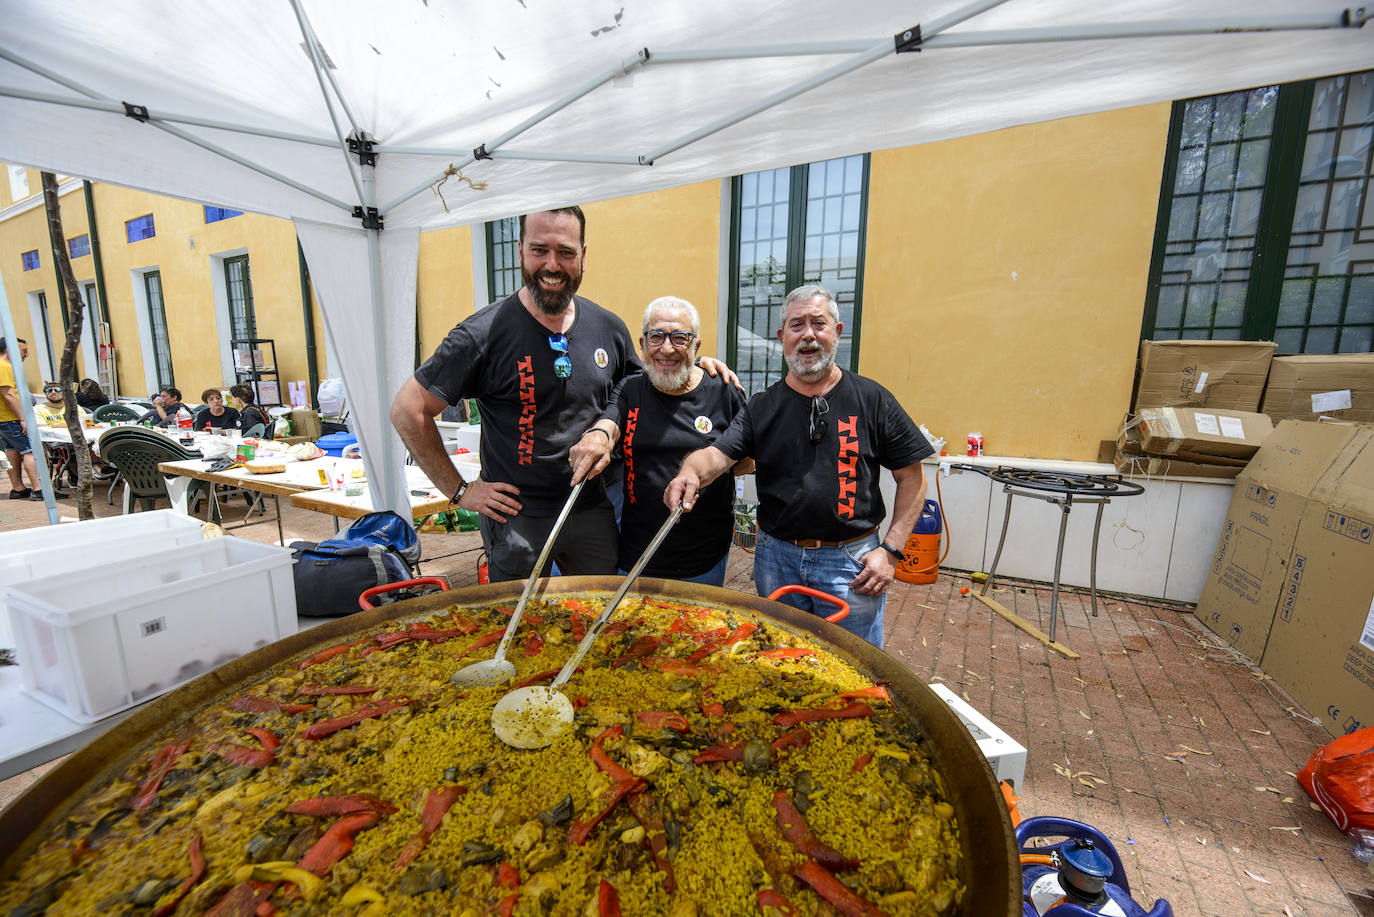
column 1004, row 278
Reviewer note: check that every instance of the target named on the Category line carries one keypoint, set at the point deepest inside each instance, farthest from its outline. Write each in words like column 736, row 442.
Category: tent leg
column 40, row 460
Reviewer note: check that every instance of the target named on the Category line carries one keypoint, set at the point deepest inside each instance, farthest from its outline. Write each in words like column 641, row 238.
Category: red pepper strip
column 862, row 761
column 797, row 738
column 330, row 653
column 677, row 667
column 714, row 708
column 533, row 643
column 712, row 636
column 663, row 719
column 244, row 757
column 655, row 836
column 575, row 605
column 335, row 843
column 321, row 690
column 641, row 647
column 579, row 701
column 266, row 909
column 268, row 739
column 855, row 710
column 608, row 766
column 162, row 762
column 742, row 632
column 787, row 652
column 796, row 830
column 254, row 703
column 532, row 619
column 488, row 640
column 577, row 834
column 536, row 679
column 579, row 624
column 506, row 876
column 678, row 623
column 876, row 692
column 607, row 900
column 714, row 753
column 695, row 610
column 835, row 891
column 465, row 624
column 616, row 628
column 437, row 803
column 698, row 655
column 197, row 873
column 771, row 898
column 506, row 906
column 336, row 806
column 329, row 727
column 242, row 900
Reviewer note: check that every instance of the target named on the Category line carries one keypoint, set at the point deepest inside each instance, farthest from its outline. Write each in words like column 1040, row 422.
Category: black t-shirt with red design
column 530, row 417
column 827, row 490
column 657, row 433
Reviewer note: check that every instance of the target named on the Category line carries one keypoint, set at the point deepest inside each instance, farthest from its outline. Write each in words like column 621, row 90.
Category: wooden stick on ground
column 1022, row 624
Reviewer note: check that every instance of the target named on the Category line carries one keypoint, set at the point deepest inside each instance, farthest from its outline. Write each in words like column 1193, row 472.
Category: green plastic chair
column 113, row 413
column 136, row 453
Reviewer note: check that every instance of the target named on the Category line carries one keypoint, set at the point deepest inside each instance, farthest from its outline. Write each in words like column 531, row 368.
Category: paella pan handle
column 403, row 584
column 815, row 594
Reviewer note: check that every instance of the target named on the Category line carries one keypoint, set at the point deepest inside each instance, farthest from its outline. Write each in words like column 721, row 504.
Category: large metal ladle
column 534, row 717
column 497, row 670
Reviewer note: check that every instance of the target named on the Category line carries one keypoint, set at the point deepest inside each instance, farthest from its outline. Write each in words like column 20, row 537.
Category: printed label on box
column 1261, row 495
column 1201, row 383
column 1367, row 635
column 155, row 626
column 1331, row 401
column 1290, row 591
column 1207, row 423
column 1233, row 427
column 1349, row 526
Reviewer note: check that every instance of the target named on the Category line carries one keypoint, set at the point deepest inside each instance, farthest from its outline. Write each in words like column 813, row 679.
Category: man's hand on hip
column 876, row 575
column 491, row 499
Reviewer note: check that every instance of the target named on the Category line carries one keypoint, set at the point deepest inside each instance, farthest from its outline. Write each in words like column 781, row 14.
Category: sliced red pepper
column 854, row 710
column 677, row 666
column 437, row 803
column 712, row 708
column 655, row 837
column 786, row 652
column 772, row 898
column 607, row 900
column 579, row 624
column 254, row 703
column 874, row 692
column 616, row 628
column 488, row 640
column 641, row 647
column 242, row 900
column 716, row 635
column 335, row 690
column 714, row 753
column 336, row 806
column 465, row 624
column 335, row 843
column 268, row 738
column 796, row 830
column 663, row 719
column 575, row 605
column 506, row 876
column 577, row 834
column 533, row 643
column 835, row 891
column 197, row 873
column 329, row 727
column 862, row 761
column 506, row 906
column 700, row 654
column 604, row 761
column 678, row 623
column 242, row 756
column 579, row 701
column 158, row 768
column 743, row 632
column 536, row 679
column 524, row 617
column 694, row 610
column 325, row 655
column 796, row 738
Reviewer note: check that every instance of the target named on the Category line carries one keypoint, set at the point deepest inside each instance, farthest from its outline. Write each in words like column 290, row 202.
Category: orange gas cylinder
column 483, row 572
column 920, row 561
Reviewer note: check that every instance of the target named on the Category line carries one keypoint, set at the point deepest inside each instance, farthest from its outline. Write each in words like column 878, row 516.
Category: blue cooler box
column 335, row 443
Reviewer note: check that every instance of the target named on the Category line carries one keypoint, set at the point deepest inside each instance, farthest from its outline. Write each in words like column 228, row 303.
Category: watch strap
column 891, row 550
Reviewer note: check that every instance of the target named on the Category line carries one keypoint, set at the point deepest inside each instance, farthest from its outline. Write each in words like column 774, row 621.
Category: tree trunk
column 67, row 369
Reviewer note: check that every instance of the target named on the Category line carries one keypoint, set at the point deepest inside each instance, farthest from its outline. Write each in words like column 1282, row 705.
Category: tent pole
column 388, row 490
column 318, row 66
column 1161, row 29
column 520, row 154
column 21, row 386
column 543, row 114
column 312, row 42
column 877, row 52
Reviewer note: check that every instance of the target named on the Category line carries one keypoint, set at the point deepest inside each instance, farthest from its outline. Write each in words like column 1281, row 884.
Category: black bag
column 378, row 549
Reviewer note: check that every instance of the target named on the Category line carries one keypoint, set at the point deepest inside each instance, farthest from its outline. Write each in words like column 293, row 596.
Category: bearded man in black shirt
column 818, row 438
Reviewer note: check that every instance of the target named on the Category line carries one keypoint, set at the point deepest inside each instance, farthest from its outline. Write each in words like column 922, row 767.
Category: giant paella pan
column 730, row 755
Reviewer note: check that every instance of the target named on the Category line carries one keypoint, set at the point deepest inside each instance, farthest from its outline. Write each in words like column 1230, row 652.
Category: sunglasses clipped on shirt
column 819, row 408
column 562, row 367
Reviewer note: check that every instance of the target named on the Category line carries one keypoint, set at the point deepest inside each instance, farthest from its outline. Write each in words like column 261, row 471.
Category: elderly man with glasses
column 669, row 410
column 819, row 437
column 542, row 364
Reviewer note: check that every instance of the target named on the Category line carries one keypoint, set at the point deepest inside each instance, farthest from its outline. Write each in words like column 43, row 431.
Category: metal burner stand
column 1062, row 488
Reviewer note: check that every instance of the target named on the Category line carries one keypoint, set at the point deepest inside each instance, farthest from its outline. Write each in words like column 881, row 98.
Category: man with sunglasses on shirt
column 818, row 438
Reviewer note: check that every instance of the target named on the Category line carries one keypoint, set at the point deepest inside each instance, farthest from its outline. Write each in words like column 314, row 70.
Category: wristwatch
column 458, row 494
column 891, row 550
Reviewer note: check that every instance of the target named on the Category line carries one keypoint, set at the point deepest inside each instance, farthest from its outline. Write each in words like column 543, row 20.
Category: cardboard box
column 305, row 422
column 1310, row 386
column 1251, row 565
column 1215, row 374
column 1203, row 434
column 1321, row 647
column 1129, row 458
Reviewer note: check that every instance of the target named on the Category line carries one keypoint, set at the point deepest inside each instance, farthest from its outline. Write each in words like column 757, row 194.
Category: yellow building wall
column 1005, row 279
column 443, row 288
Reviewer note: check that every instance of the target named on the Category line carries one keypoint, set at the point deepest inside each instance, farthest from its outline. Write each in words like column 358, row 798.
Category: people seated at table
column 167, row 406
column 53, row 410
column 215, row 416
column 90, row 395
column 250, row 415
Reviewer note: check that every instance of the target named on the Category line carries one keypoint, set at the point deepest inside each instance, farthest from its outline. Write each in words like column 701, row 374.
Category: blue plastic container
column 335, row 443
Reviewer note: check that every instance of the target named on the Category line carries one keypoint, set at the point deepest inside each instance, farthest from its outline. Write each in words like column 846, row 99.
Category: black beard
column 550, row 303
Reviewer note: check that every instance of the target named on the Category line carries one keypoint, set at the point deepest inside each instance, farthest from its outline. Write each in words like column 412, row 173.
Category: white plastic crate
column 1005, row 755
column 68, row 548
column 119, row 634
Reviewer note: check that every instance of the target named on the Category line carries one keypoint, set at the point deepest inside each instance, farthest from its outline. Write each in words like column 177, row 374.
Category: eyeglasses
column 819, row 408
column 562, row 367
column 53, row 389
column 680, row 339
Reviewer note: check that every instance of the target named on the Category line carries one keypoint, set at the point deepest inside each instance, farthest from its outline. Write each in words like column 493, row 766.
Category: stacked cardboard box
column 1190, row 442
column 1311, row 386
column 1228, row 375
column 1292, row 581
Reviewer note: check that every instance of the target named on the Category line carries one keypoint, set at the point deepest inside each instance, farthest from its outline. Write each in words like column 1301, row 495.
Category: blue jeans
column 830, row 569
column 13, row 438
column 713, row 577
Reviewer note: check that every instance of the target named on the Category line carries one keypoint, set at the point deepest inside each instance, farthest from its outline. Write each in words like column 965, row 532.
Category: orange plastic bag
column 1340, row 779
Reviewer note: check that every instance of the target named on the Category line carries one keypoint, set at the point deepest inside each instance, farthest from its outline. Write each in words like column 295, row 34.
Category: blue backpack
column 378, row 549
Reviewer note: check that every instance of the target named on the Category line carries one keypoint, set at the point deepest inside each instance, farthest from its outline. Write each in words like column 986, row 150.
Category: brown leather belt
column 817, row 543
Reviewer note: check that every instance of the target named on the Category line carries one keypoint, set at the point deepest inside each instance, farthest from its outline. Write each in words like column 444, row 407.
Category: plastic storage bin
column 335, row 443
column 119, row 634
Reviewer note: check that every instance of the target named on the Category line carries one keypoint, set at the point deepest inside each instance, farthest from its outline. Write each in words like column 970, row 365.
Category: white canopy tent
column 515, row 105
